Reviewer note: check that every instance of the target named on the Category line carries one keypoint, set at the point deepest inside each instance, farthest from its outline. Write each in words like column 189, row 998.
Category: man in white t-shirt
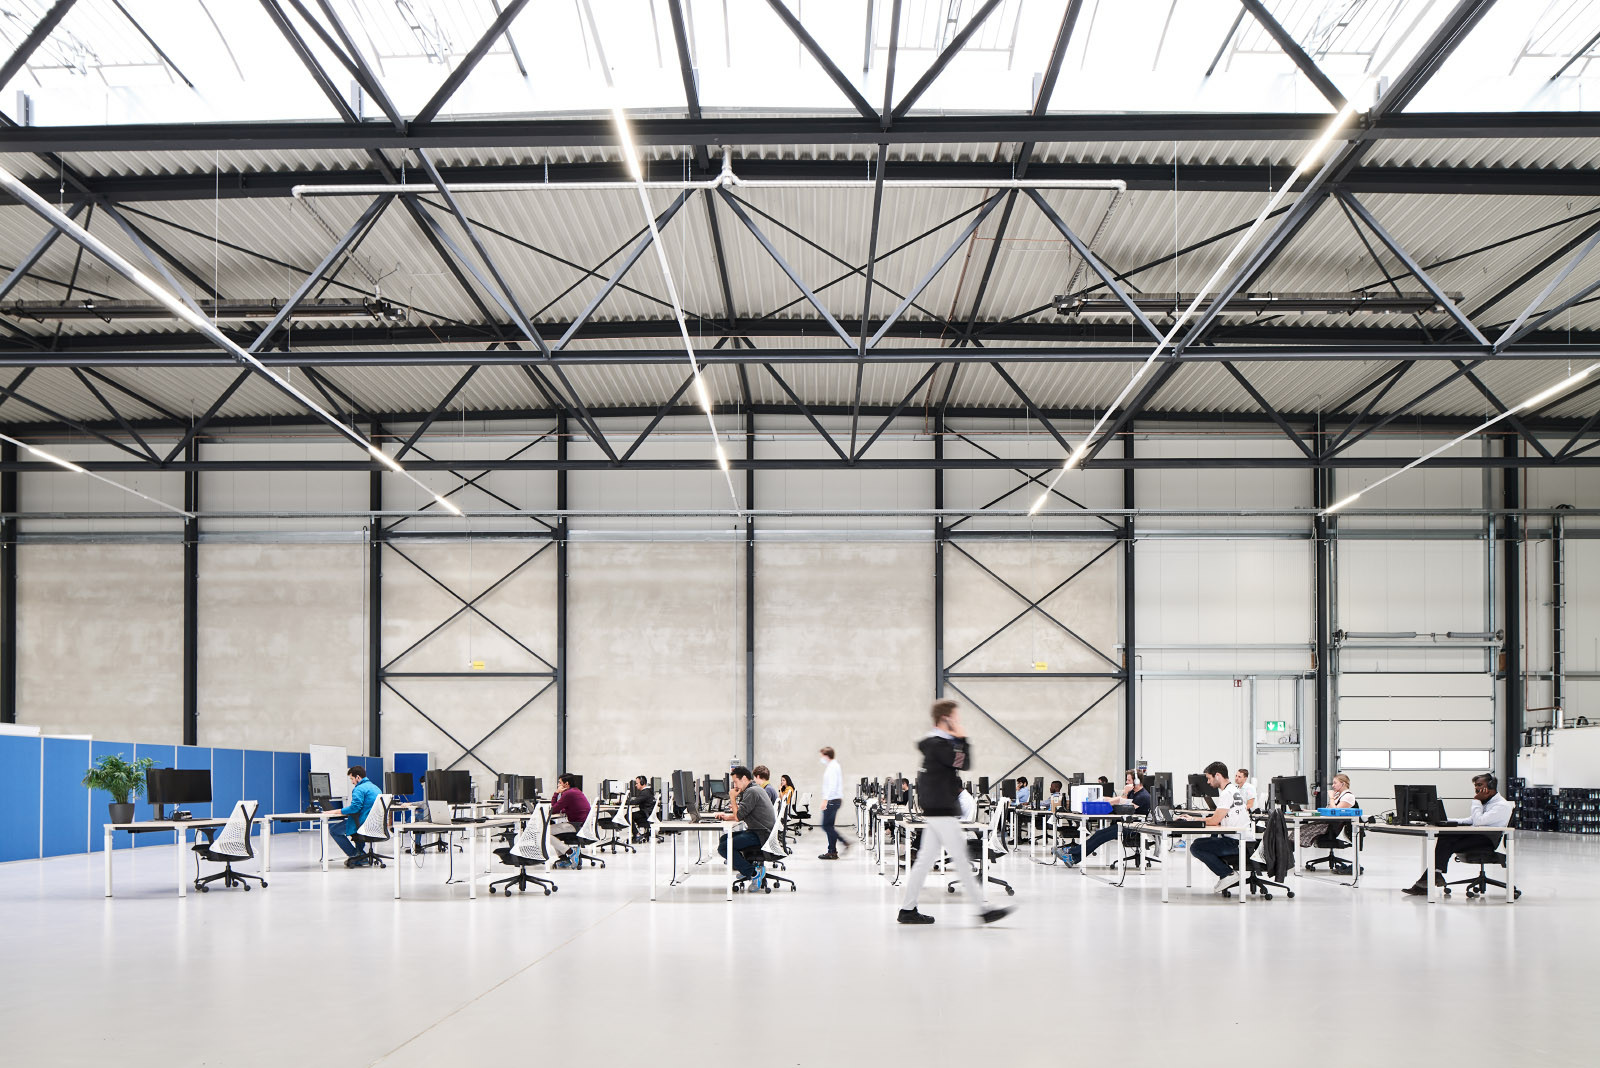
column 1241, row 779
column 1232, row 811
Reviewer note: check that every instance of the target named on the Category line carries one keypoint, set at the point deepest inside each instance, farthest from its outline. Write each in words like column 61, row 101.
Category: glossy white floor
column 324, row 969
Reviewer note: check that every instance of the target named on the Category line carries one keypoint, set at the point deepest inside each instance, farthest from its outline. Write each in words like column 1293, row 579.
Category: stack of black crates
column 1574, row 810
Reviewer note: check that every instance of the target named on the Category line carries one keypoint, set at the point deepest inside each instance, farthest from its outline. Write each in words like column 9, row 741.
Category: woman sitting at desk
column 1341, row 796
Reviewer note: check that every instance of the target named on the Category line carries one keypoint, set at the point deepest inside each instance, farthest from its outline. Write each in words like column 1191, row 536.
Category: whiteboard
column 332, row 759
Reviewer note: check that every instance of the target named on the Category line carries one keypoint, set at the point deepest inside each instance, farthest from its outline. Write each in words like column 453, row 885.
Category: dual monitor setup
column 319, row 785
column 707, row 794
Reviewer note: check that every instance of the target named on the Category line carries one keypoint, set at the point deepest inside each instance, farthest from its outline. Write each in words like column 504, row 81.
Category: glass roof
column 130, row 61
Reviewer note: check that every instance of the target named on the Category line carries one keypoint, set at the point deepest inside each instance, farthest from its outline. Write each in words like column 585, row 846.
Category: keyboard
column 468, row 819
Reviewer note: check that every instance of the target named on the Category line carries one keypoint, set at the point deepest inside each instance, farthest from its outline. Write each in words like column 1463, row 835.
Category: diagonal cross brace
column 1034, row 606
column 472, row 607
column 1009, row 732
column 1073, row 722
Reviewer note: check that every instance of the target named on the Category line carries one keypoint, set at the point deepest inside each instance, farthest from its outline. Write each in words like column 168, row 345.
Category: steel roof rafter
column 501, row 26
column 942, row 60
column 1292, row 49
column 823, row 60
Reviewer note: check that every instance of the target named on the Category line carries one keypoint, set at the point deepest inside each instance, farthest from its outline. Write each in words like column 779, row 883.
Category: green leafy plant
column 122, row 779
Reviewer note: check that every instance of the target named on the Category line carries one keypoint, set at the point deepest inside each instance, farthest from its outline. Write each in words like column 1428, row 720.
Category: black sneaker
column 913, row 916
column 827, row 856
column 995, row 914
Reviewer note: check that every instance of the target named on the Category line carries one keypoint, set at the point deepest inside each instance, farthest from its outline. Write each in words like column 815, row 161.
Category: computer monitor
column 502, row 785
column 524, row 790
column 398, row 783
column 1077, row 779
column 1200, row 787
column 682, row 789
column 176, row 786
column 716, row 789
column 1036, row 794
column 983, row 784
column 577, row 781
column 1159, row 783
column 321, row 787
column 451, row 787
column 1008, row 788
column 1290, row 790
column 1412, row 804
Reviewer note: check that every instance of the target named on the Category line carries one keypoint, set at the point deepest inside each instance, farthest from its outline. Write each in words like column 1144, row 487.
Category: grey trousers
column 942, row 833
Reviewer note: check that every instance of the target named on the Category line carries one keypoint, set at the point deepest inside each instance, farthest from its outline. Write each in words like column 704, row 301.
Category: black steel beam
column 37, row 36
column 1511, row 547
column 470, row 61
column 1322, row 489
column 691, row 90
column 1272, row 413
column 191, row 599
column 9, row 504
column 805, row 410
column 942, row 60
column 375, row 539
column 1130, row 599
column 829, row 67
column 1292, row 49
column 561, row 599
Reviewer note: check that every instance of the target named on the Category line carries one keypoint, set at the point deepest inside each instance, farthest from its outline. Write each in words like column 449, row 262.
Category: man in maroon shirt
column 569, row 809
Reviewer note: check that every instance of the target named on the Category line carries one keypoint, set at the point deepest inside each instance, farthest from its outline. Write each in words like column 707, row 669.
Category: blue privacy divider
column 417, row 765
column 305, row 782
column 258, row 780
column 193, row 758
column 98, row 799
column 19, row 797
column 287, row 785
column 66, row 800
column 227, row 781
column 163, row 756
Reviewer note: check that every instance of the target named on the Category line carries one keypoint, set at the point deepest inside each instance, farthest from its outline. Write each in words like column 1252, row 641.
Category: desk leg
column 1355, row 853
column 322, row 833
column 1244, row 873
column 1427, row 865
column 1299, row 850
column 1511, row 866
column 107, row 851
column 879, row 822
column 266, row 846
column 1188, row 864
column 399, row 842
column 728, row 838
column 653, row 854
column 983, row 866
column 472, row 863
column 1166, row 863
column 177, row 848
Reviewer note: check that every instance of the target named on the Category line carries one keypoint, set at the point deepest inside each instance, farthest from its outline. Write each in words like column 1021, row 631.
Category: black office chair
column 1479, row 884
column 373, row 829
column 620, row 824
column 529, row 848
column 764, row 857
column 232, row 843
column 1332, row 841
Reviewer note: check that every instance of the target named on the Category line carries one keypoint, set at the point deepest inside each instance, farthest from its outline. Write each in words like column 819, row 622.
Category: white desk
column 322, row 819
column 1083, row 820
column 1166, row 832
column 905, row 826
column 726, row 828
column 444, row 829
column 1430, row 835
column 151, row 826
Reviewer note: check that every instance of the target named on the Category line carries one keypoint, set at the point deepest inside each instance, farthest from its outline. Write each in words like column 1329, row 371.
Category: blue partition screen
column 19, row 797
column 65, row 823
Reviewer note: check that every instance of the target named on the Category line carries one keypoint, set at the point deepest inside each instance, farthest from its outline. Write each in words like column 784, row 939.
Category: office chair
column 997, row 820
column 530, row 847
column 1330, row 840
column 1479, row 884
column 767, row 855
column 231, row 843
column 799, row 814
column 620, row 824
column 375, row 828
column 1256, row 878
column 588, row 834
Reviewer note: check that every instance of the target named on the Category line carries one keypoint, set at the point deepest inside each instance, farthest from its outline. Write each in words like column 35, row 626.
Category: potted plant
column 122, row 779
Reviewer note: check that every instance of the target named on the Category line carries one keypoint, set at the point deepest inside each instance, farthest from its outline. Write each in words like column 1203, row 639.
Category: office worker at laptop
column 1339, row 796
column 1489, row 809
column 753, row 808
column 644, row 803
column 363, row 795
column 569, row 810
column 945, row 755
column 1134, row 794
column 1230, row 812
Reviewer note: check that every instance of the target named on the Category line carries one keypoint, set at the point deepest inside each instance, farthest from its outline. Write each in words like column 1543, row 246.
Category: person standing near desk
column 1489, row 809
column 569, row 810
column 1134, row 794
column 832, row 798
column 945, row 755
column 753, row 808
column 644, row 803
column 363, row 795
column 1231, row 812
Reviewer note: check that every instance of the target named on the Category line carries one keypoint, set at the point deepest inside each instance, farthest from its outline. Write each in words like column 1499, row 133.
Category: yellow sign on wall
column 477, row 665
column 1040, row 665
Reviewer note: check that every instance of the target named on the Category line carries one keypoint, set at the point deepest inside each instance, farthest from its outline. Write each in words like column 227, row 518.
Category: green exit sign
column 1277, row 725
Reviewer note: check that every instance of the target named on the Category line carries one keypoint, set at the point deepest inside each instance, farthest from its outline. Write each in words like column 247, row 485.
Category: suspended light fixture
column 68, row 465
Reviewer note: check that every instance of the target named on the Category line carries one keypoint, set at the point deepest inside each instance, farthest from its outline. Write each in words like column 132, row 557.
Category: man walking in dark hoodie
column 945, row 757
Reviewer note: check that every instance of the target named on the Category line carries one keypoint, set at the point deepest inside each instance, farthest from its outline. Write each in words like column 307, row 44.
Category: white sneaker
column 1227, row 882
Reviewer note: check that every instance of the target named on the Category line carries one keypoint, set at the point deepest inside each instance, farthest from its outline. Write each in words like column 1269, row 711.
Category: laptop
column 440, row 812
column 1436, row 816
column 1167, row 816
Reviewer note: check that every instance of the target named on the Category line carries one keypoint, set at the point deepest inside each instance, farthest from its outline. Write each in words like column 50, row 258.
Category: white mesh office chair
column 588, row 834
column 231, row 843
column 620, row 824
column 997, row 822
column 375, row 828
column 530, row 847
column 768, row 854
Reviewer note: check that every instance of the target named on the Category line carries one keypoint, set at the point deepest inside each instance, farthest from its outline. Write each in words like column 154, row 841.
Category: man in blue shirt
column 363, row 795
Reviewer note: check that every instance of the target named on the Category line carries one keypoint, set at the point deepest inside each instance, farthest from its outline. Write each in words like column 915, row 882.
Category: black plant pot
column 121, row 813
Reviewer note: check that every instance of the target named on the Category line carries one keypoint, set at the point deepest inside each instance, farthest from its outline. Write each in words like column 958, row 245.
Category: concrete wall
column 100, row 636
column 282, row 646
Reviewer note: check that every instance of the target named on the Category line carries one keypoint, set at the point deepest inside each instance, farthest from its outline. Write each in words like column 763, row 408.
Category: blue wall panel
column 19, row 797
column 258, row 780
column 305, row 783
column 163, row 756
column 66, row 800
column 417, row 765
column 227, row 781
column 98, row 799
column 194, row 758
column 286, row 784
